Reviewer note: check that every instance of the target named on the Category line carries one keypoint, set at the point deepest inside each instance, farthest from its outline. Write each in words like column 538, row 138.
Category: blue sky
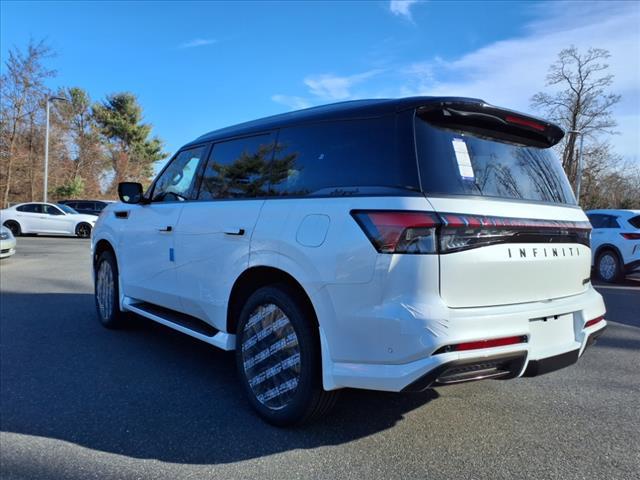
column 199, row 66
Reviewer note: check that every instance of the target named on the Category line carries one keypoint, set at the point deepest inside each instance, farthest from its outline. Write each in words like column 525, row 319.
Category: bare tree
column 23, row 92
column 579, row 99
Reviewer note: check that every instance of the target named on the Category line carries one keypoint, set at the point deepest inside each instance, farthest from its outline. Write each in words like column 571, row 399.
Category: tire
column 14, row 227
column 107, row 293
column 608, row 266
column 83, row 230
column 293, row 394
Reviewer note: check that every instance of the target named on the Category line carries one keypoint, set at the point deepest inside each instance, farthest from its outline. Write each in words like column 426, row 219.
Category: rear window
column 635, row 221
column 459, row 162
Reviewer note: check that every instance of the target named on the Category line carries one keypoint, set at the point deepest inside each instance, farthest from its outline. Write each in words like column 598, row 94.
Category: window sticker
column 463, row 159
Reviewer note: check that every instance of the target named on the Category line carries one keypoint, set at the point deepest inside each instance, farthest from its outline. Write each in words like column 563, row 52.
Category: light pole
column 579, row 169
column 46, row 147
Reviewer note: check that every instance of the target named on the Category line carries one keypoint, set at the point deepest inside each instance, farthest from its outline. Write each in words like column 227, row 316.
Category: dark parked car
column 90, row 207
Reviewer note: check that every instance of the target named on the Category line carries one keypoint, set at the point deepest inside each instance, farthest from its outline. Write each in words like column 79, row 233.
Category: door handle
column 234, row 231
column 168, row 228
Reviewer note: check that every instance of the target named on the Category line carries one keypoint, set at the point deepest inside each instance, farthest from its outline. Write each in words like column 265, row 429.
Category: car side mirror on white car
column 130, row 192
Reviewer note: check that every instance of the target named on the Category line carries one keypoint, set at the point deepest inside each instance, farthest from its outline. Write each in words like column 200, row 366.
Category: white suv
column 381, row 244
column 616, row 242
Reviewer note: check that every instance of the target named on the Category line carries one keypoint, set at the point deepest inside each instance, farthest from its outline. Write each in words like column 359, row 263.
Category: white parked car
column 390, row 245
column 48, row 218
column 7, row 242
column 615, row 242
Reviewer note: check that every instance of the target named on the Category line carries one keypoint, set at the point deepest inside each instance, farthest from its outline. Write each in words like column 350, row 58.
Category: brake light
column 399, row 231
column 631, row 236
column 526, row 123
column 591, row 323
column 496, row 342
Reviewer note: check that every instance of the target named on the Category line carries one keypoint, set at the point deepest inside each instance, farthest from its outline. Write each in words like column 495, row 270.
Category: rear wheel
column 107, row 293
column 278, row 358
column 608, row 266
column 14, row 227
column 83, row 230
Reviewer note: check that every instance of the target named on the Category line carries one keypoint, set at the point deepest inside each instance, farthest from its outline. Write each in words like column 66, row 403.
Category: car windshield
column 67, row 209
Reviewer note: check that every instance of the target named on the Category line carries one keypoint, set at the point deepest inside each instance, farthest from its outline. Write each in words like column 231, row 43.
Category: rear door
column 512, row 232
column 147, row 241
column 214, row 233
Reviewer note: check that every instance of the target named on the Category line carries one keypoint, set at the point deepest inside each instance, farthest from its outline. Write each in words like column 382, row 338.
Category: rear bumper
column 463, row 325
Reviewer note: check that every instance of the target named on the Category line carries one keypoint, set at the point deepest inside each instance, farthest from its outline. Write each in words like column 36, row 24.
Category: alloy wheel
column 271, row 356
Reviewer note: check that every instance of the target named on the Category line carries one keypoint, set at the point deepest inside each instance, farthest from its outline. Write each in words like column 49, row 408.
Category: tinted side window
column 596, row 220
column 238, row 168
column 353, row 153
column 30, row 208
column 177, row 181
column 611, row 222
column 51, row 210
column 635, row 221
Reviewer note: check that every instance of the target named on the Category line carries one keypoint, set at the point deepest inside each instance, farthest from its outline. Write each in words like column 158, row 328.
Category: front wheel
column 608, row 266
column 278, row 358
column 83, row 230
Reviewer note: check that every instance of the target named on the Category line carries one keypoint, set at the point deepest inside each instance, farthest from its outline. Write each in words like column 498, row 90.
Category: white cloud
column 291, row 101
column 402, row 8
column 509, row 72
column 333, row 87
column 197, row 42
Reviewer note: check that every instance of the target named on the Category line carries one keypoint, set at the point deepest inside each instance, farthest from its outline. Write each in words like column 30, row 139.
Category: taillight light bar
column 593, row 322
column 480, row 344
column 631, row 236
column 402, row 231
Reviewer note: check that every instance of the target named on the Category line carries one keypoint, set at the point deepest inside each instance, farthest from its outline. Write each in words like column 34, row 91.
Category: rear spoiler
column 484, row 120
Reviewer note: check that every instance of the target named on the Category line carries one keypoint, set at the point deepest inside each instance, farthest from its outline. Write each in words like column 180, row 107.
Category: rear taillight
column 427, row 232
column 593, row 322
column 399, row 231
column 631, row 236
column 479, row 344
column 462, row 232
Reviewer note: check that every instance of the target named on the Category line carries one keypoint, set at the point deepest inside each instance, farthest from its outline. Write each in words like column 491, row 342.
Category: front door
column 147, row 248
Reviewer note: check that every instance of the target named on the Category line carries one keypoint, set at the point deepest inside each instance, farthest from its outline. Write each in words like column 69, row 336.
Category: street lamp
column 46, row 146
column 579, row 170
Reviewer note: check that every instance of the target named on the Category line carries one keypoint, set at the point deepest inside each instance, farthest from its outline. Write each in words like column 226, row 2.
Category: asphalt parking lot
column 79, row 402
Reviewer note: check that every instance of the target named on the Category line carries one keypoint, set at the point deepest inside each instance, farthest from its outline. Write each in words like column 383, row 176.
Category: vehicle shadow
column 149, row 392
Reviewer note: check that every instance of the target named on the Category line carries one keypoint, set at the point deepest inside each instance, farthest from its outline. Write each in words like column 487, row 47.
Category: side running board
column 181, row 322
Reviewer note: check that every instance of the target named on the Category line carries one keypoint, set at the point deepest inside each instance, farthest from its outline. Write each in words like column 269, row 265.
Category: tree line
column 92, row 145
column 95, row 145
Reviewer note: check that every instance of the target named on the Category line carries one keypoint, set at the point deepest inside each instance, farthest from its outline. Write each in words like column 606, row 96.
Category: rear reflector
column 479, row 344
column 593, row 322
column 631, row 236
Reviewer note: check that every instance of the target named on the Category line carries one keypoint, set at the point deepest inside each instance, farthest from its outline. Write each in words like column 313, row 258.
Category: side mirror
column 130, row 192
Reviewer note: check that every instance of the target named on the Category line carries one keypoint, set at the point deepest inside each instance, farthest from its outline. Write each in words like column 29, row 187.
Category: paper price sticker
column 462, row 157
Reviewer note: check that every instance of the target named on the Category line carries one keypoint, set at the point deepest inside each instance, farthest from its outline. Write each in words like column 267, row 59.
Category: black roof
column 336, row 111
column 361, row 109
